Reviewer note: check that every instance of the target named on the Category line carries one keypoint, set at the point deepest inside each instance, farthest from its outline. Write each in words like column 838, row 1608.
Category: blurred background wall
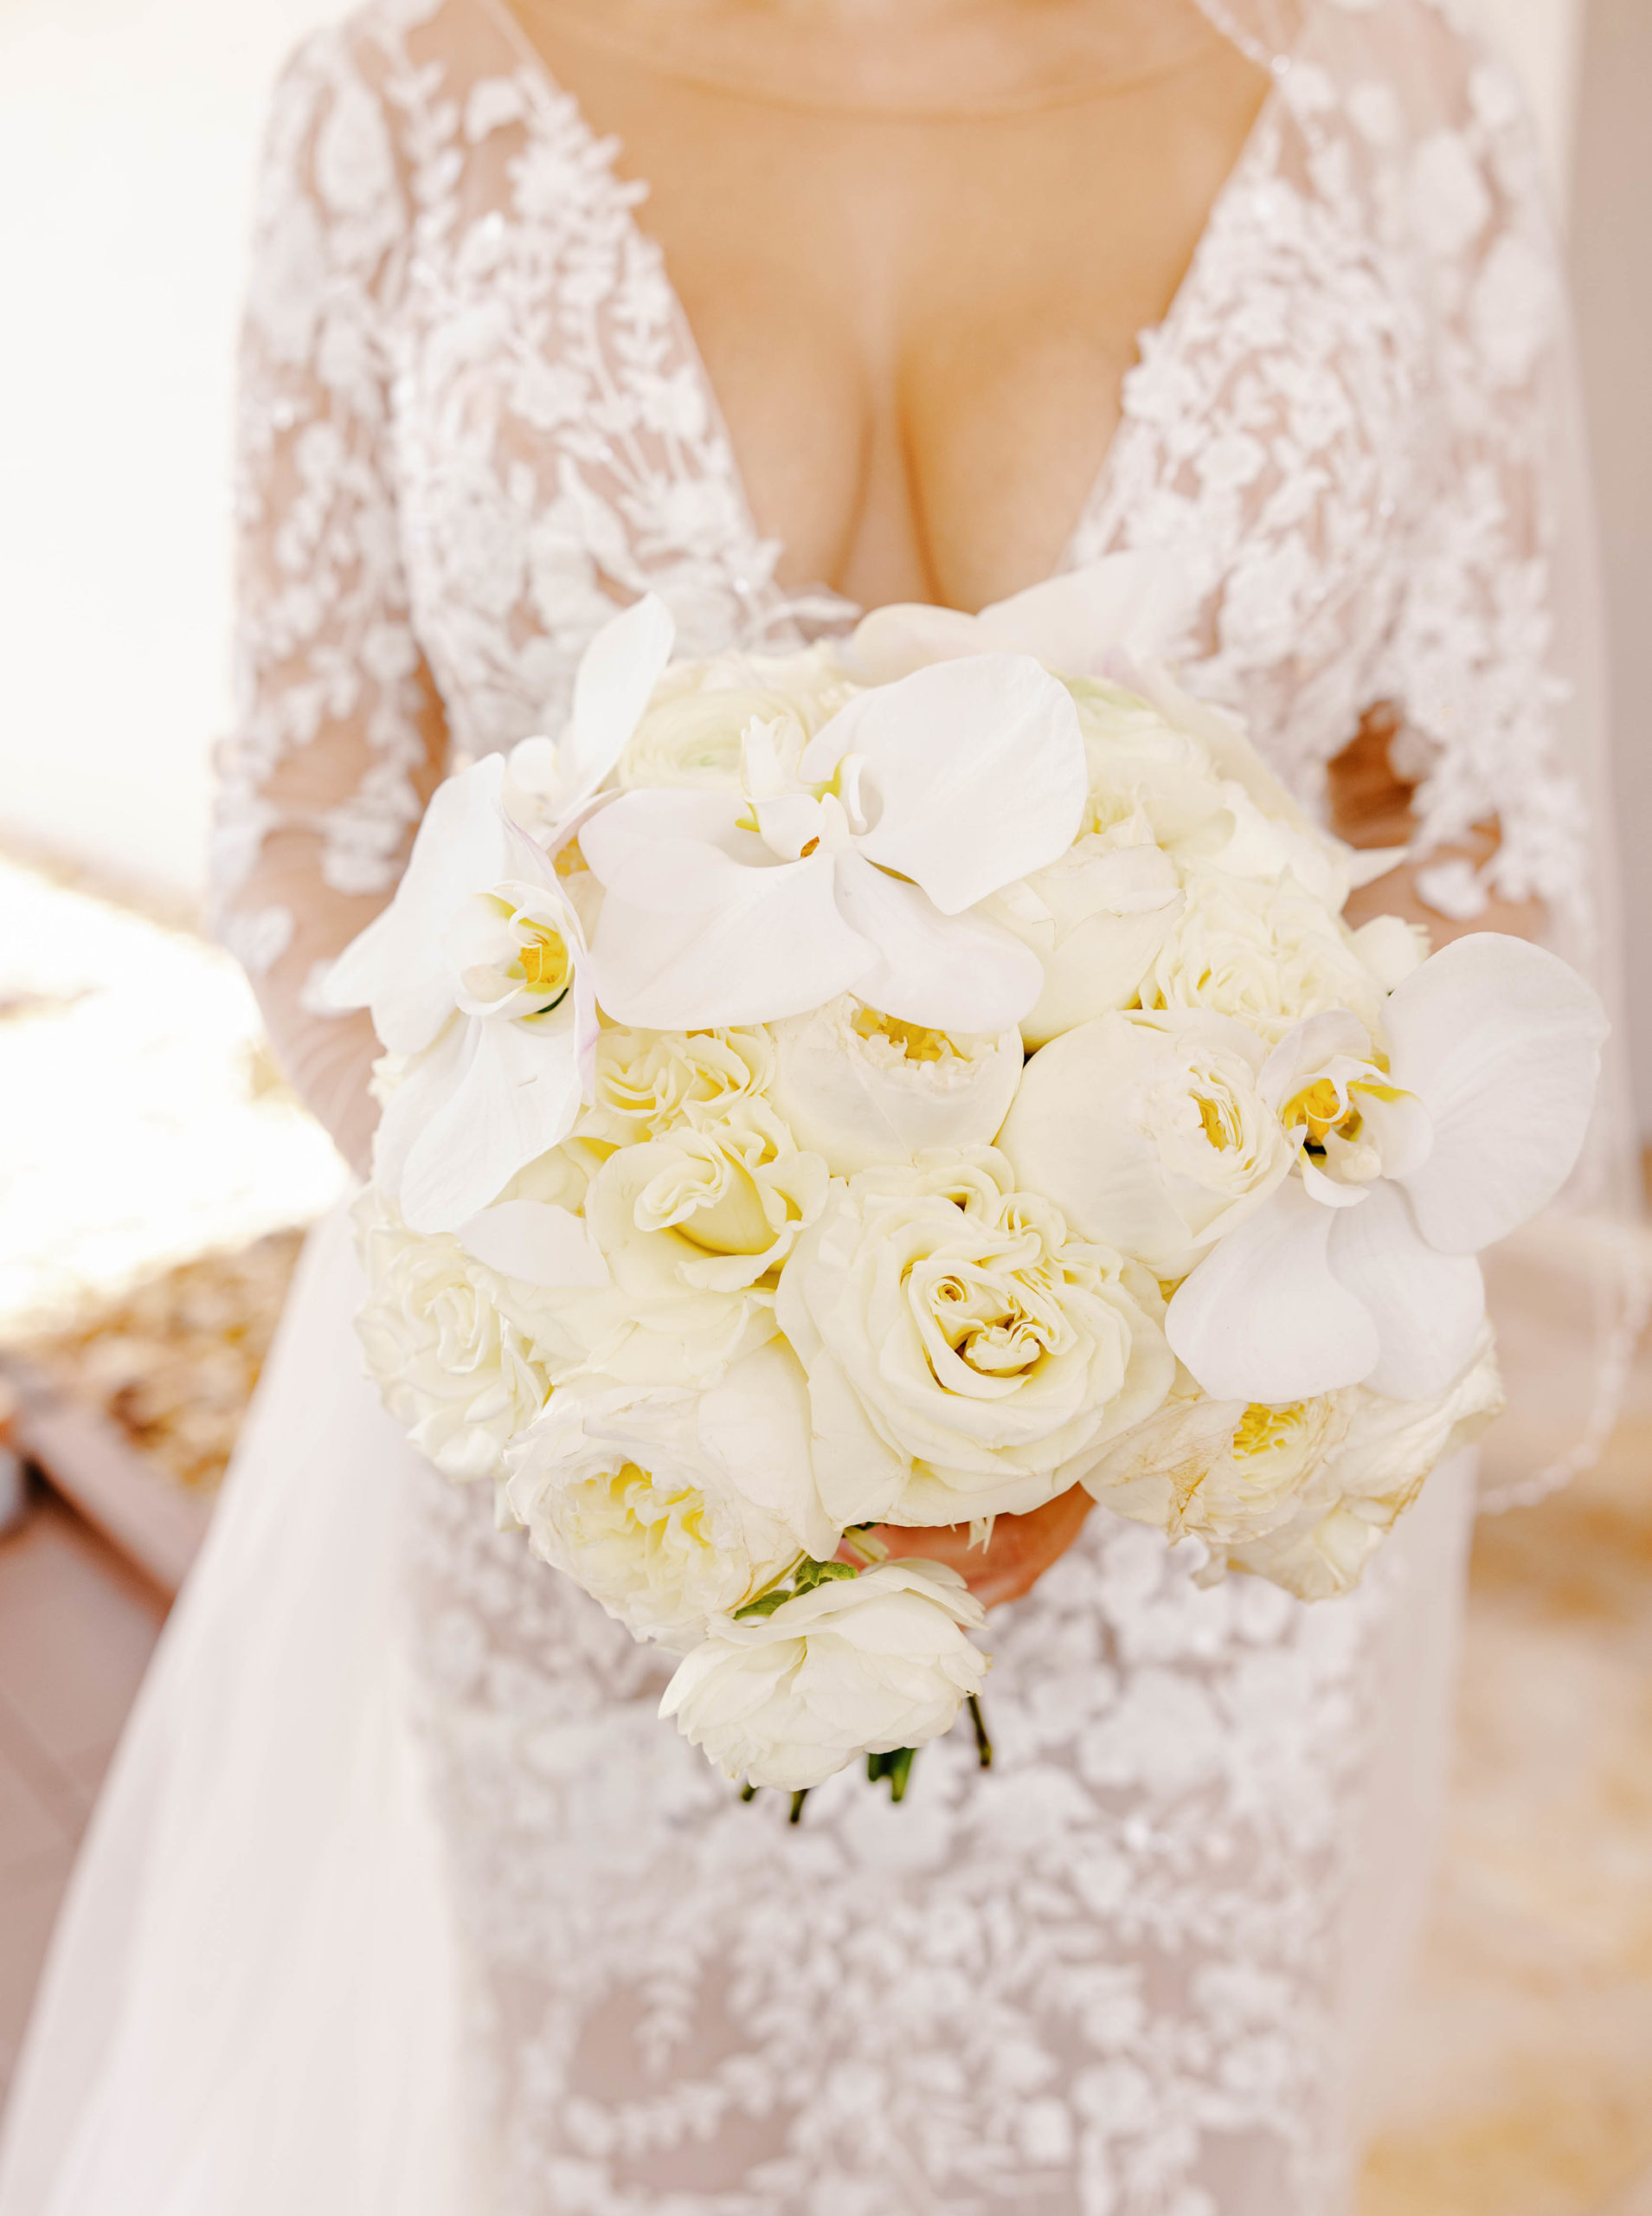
column 128, row 131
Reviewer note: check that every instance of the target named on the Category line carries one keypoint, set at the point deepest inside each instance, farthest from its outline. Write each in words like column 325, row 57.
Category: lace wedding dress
column 401, row 1901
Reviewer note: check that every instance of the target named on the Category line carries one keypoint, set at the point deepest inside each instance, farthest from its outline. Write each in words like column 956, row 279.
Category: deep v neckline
column 1154, row 345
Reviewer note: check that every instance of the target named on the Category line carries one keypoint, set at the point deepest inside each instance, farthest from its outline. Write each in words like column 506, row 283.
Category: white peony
column 1268, row 953
column 1149, row 1133
column 1096, row 918
column 856, row 1666
column 962, row 1347
column 859, row 1087
column 690, row 733
column 645, row 1081
column 1388, row 1450
column 1218, row 1470
column 671, row 1507
column 451, row 1344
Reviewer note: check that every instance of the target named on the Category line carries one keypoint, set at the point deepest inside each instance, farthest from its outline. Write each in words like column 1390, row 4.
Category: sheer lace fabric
column 1114, row 1978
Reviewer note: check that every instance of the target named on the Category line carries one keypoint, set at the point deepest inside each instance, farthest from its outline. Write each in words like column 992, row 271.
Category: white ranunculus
column 690, row 733
column 1388, row 1449
column 671, row 1507
column 859, row 1087
column 1096, row 918
column 1360, row 1268
column 450, row 1343
column 1149, row 1133
column 854, row 863
column 963, row 1348
column 1268, row 953
column 856, row 1666
column 1218, row 1470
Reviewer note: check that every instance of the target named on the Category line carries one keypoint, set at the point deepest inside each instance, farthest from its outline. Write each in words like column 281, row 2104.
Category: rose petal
column 535, row 1241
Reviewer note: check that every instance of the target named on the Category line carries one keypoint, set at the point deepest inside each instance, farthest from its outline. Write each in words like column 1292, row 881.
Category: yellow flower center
column 1220, row 1119
column 544, row 960
column 916, row 1040
column 1262, row 1428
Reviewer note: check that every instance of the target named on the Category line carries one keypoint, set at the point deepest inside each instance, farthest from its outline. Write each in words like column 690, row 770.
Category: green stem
column 748, row 1793
column 983, row 1744
column 900, row 1769
column 797, row 1799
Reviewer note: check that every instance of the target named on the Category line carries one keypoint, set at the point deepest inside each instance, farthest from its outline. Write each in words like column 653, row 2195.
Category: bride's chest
column 892, row 381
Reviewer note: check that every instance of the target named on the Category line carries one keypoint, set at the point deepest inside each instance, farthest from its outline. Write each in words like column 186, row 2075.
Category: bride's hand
column 1020, row 1550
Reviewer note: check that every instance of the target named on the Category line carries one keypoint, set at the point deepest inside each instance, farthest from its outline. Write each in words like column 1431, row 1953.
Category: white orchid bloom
column 1361, row 1269
column 477, row 973
column 549, row 781
column 851, row 863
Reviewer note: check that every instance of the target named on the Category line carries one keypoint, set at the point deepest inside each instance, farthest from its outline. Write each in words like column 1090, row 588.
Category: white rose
column 1220, row 1470
column 1389, row 1448
column 1096, row 919
column 671, row 1507
column 1267, row 953
column 450, row 1343
column 691, row 1228
column 1148, row 1131
column 690, row 732
column 859, row 1087
column 645, row 1081
column 860, row 1665
column 962, row 1347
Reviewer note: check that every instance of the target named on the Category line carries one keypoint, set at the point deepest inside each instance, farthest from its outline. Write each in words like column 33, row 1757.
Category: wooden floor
column 76, row 1630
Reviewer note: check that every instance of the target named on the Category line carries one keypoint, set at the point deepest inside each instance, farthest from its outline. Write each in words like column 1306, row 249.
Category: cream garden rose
column 644, row 1082
column 863, row 1665
column 670, row 1507
column 1149, row 1131
column 963, row 1348
column 859, row 1087
column 1264, row 951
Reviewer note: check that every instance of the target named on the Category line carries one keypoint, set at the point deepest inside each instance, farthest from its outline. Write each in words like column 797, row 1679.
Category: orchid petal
column 979, row 769
column 1501, row 1041
column 1141, row 601
column 642, row 827
column 1428, row 1307
column 398, row 966
column 1262, row 1318
column 517, row 1095
column 892, row 642
column 617, row 674
column 535, row 1243
column 952, row 973
column 773, row 944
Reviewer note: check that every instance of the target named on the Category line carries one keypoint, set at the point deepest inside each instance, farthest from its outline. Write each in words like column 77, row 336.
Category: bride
column 400, row 1901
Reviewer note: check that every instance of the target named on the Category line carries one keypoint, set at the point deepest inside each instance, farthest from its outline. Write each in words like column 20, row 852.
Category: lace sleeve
column 339, row 733
column 1480, row 663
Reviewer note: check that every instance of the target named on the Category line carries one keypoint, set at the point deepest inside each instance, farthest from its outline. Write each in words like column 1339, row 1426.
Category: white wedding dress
column 401, row 1901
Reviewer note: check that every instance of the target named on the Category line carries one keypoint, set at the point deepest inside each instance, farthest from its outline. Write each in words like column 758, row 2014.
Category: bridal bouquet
column 891, row 1083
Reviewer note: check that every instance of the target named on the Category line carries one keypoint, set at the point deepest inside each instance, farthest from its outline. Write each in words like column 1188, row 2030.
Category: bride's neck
column 891, row 57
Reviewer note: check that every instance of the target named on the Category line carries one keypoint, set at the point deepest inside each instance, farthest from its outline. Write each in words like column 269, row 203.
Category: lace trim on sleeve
column 333, row 702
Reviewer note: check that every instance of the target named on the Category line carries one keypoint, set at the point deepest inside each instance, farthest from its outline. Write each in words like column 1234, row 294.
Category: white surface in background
column 140, row 1128
column 128, row 134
